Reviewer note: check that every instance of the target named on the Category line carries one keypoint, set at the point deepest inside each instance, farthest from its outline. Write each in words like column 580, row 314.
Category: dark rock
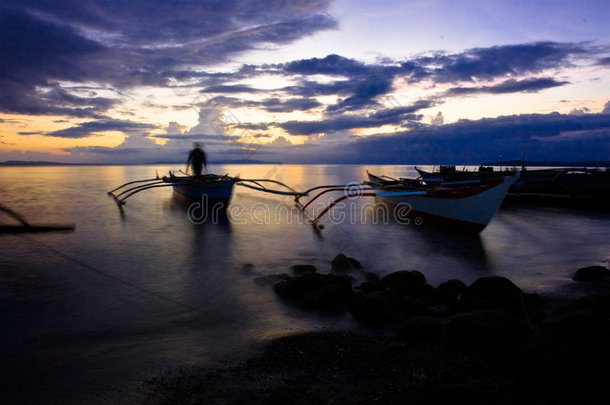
column 577, row 341
column 299, row 286
column 449, row 291
column 399, row 279
column 372, row 277
column 410, row 306
column 598, row 305
column 368, row 287
column 342, row 263
column 354, row 263
column 574, row 341
column 576, row 328
column 271, row 279
column 494, row 289
column 314, row 290
column 422, row 329
column 378, row 307
column 330, row 297
column 485, row 332
column 524, row 306
column 591, row 273
column 384, row 306
column 299, row 269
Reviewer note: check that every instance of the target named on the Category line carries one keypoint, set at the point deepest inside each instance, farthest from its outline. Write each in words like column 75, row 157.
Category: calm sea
column 92, row 313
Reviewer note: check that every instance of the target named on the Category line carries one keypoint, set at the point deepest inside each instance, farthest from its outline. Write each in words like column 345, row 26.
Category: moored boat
column 212, row 187
column 451, row 174
column 208, row 187
column 584, row 187
column 467, row 207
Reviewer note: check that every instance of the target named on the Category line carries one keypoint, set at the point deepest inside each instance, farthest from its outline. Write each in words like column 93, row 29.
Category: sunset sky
column 402, row 82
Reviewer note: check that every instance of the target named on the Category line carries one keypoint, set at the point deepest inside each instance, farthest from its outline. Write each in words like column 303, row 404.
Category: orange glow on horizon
column 26, row 134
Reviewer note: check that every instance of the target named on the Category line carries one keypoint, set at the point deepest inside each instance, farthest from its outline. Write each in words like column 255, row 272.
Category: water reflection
column 199, row 212
column 107, row 279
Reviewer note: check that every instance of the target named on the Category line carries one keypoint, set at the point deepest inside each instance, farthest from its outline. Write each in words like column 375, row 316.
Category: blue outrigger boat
column 213, row 187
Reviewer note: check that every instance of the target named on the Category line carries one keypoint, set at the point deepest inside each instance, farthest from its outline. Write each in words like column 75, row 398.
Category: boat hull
column 216, row 191
column 468, row 208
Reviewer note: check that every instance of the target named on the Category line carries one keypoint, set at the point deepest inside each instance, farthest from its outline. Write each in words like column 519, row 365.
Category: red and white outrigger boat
column 469, row 207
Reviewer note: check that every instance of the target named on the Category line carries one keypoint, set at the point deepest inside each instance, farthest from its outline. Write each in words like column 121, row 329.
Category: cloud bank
column 77, row 60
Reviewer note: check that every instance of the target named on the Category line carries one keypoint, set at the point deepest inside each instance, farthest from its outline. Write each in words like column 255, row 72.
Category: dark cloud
column 127, row 44
column 273, row 104
column 104, row 150
column 289, row 105
column 253, row 126
column 33, row 54
column 542, row 137
column 364, row 94
column 192, row 137
column 364, row 82
column 310, row 88
column 87, row 129
column 509, row 86
column 403, row 116
column 232, row 88
column 497, row 61
column 361, row 85
column 330, row 65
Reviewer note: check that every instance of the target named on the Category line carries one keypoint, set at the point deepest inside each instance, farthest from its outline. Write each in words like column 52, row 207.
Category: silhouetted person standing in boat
column 197, row 160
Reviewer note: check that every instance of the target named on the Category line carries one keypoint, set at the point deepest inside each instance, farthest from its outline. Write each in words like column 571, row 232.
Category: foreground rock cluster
column 487, row 342
column 490, row 314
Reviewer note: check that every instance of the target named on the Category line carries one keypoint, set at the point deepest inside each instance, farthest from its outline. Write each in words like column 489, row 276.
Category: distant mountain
column 550, row 163
column 34, row 163
column 45, row 163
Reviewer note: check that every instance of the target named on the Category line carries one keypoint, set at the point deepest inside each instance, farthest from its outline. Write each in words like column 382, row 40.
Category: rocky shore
column 487, row 342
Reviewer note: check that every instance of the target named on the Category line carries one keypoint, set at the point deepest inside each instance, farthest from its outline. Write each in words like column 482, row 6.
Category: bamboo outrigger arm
column 266, row 190
column 292, row 192
column 131, row 182
column 25, row 227
column 350, row 193
column 133, row 190
column 337, row 201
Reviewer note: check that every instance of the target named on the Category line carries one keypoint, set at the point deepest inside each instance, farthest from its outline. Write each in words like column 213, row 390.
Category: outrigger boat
column 583, row 187
column 569, row 186
column 469, row 207
column 215, row 188
column 466, row 207
column 449, row 173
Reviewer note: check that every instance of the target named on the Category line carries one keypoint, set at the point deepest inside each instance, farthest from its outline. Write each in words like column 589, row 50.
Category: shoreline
column 491, row 343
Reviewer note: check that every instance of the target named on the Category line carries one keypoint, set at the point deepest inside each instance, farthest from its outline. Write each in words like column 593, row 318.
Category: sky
column 313, row 81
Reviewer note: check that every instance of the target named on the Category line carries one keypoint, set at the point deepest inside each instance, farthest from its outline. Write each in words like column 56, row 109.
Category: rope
column 112, row 277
